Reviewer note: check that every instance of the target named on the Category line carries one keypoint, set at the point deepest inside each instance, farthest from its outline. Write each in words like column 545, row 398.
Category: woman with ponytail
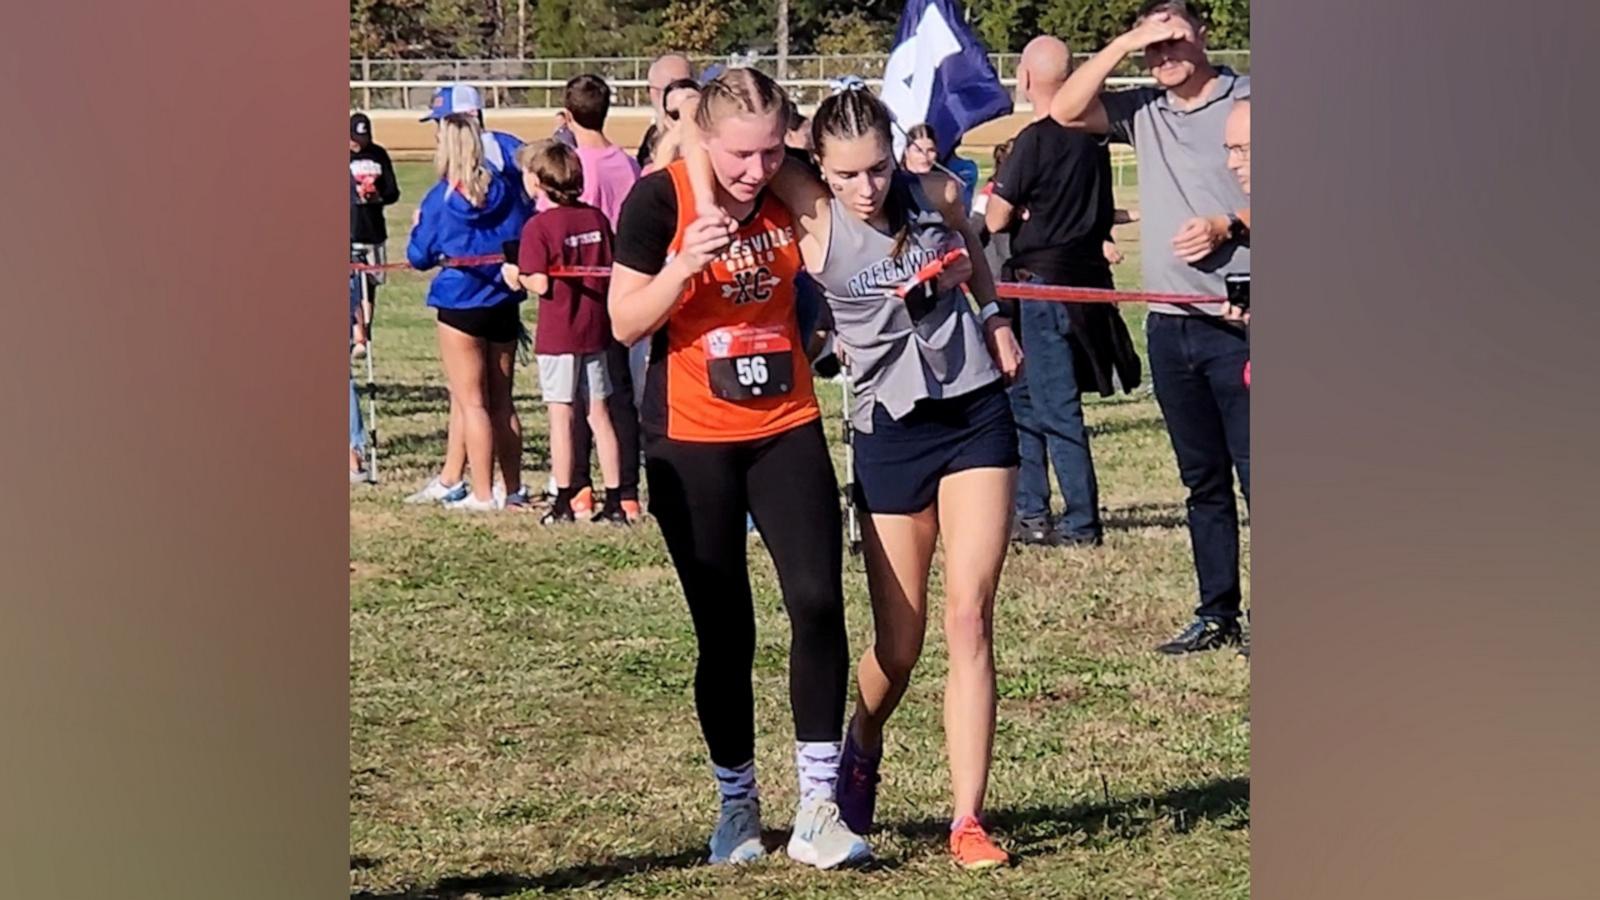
column 731, row 427
column 473, row 211
column 935, row 444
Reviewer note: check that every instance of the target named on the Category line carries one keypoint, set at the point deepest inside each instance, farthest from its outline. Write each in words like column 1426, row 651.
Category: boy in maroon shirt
column 573, row 327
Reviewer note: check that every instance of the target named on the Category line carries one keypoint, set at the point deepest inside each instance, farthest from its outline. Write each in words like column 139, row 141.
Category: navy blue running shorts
column 898, row 465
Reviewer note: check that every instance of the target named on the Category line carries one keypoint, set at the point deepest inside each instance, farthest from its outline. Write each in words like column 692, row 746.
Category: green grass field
column 521, row 718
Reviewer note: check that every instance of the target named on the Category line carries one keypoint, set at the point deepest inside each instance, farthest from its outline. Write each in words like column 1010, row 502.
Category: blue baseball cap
column 453, row 99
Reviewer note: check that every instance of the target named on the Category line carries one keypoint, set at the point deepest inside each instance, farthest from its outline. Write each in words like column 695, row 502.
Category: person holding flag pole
column 939, row 75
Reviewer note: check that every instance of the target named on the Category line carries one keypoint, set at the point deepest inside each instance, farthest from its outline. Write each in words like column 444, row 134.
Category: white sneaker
column 470, row 503
column 822, row 839
column 738, row 835
column 436, row 491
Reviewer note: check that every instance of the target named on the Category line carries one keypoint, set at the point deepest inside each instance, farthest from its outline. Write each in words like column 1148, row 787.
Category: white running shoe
column 436, row 491
column 822, row 839
column 738, row 835
column 470, row 503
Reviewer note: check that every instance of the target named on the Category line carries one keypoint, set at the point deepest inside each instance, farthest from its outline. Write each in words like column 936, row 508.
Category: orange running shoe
column 632, row 509
column 972, row 849
column 583, row 502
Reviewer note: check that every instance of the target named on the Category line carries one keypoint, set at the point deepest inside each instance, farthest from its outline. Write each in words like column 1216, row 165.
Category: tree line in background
column 478, row 29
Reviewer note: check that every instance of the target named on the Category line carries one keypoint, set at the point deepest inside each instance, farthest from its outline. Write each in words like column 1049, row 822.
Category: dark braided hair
column 856, row 112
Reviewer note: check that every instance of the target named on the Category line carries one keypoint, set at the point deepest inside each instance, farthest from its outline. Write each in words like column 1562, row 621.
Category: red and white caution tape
column 1013, row 290
column 1010, row 290
column 491, row 259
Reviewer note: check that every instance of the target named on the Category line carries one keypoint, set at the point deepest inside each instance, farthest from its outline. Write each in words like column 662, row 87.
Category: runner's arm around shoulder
column 794, row 185
column 691, row 146
column 797, row 188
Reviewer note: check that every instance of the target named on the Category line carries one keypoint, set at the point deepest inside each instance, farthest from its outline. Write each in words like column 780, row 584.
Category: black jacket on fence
column 1101, row 344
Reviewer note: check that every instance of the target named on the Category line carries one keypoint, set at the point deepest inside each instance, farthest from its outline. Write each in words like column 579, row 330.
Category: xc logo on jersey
column 751, row 285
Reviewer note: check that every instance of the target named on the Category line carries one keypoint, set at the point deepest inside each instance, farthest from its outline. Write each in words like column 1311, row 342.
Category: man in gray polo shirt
column 1192, row 239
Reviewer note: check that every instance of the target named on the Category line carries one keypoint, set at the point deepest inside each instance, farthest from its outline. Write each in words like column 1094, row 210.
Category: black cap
column 360, row 127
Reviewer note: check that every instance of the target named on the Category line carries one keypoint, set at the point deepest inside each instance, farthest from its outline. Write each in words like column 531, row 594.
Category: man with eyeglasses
column 1236, row 140
column 1194, row 238
column 663, row 72
column 664, row 148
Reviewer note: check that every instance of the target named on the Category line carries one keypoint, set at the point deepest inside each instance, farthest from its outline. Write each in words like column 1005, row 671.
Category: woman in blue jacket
column 473, row 211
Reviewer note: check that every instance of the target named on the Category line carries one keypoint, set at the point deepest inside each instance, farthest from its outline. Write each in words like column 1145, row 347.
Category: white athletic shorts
column 559, row 379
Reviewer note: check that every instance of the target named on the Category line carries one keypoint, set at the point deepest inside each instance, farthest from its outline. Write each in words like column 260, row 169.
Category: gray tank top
column 892, row 360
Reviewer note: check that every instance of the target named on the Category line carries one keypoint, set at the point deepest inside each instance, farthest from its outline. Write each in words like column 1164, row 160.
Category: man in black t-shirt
column 1053, row 196
column 372, row 187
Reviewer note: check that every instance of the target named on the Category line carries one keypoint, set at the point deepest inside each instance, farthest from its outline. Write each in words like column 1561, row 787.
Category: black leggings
column 699, row 492
column 624, row 420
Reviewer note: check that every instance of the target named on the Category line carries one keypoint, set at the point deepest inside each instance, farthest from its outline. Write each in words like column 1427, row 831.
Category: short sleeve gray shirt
column 1183, row 173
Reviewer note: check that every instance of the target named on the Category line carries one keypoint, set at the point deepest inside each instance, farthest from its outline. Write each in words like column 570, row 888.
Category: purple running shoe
column 857, row 788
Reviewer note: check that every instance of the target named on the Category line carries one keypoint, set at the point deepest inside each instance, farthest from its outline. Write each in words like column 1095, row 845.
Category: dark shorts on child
column 898, row 465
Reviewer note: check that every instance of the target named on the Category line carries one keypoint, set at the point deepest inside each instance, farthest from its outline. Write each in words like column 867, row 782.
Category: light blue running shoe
column 737, row 838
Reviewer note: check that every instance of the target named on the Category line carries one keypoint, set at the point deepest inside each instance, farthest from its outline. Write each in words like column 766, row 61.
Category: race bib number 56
column 746, row 362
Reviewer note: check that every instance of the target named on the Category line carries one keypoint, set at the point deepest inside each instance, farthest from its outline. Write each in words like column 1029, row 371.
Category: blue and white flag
column 939, row 73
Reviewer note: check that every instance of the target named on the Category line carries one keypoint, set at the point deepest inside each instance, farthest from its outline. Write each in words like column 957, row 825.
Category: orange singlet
column 730, row 364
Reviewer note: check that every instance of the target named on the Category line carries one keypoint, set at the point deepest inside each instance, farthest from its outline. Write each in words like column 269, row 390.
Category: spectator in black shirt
column 372, row 187
column 1053, row 195
column 996, row 245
